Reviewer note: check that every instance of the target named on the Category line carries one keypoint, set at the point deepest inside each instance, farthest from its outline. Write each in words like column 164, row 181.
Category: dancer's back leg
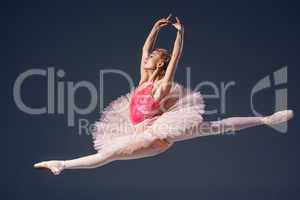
column 104, row 157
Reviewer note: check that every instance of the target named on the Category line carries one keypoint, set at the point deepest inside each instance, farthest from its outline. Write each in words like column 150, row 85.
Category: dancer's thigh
column 157, row 147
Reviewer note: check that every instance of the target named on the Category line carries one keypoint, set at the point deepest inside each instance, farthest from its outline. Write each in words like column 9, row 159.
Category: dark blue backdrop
column 224, row 41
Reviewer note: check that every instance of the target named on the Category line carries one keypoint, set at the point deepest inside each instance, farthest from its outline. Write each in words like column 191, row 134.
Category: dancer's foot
column 55, row 166
column 278, row 117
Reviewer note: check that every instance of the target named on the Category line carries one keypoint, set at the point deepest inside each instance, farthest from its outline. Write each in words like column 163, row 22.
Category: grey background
column 225, row 41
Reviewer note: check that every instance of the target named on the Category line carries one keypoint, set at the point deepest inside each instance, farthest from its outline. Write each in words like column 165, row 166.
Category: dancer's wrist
column 181, row 31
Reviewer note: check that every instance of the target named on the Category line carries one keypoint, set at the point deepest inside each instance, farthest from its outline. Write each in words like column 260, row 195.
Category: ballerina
column 157, row 113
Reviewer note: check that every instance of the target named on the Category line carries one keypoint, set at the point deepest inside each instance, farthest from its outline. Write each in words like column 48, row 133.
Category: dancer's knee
column 161, row 145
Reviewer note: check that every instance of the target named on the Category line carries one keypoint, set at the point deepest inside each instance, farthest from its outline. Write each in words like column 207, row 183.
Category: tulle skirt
column 182, row 110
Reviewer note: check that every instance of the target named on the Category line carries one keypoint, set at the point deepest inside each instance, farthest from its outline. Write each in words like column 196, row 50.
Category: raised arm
column 176, row 53
column 150, row 43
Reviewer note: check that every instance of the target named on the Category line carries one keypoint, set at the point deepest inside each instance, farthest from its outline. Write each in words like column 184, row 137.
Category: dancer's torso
column 142, row 104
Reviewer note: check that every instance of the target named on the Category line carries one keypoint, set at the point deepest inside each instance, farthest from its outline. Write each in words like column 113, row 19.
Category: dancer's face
column 154, row 60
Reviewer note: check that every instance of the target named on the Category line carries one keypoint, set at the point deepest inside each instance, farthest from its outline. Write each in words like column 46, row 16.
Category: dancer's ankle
column 266, row 120
column 63, row 164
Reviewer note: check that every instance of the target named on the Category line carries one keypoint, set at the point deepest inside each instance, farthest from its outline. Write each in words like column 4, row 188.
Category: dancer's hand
column 178, row 25
column 162, row 23
column 55, row 166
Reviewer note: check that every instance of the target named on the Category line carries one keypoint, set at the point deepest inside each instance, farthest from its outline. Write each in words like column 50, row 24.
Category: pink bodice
column 142, row 104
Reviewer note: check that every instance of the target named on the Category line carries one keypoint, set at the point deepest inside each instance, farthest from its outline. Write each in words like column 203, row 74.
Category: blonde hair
column 165, row 56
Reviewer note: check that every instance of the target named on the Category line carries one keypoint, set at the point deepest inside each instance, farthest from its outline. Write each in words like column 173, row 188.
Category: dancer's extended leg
column 103, row 157
column 157, row 146
column 234, row 124
column 86, row 162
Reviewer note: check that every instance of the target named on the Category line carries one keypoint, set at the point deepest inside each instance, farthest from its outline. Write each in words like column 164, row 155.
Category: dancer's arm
column 176, row 54
column 150, row 43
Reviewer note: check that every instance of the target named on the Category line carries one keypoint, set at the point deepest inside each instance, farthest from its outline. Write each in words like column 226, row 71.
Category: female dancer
column 148, row 120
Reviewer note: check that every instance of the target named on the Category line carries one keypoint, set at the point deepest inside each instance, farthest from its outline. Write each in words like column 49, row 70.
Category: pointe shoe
column 54, row 166
column 278, row 117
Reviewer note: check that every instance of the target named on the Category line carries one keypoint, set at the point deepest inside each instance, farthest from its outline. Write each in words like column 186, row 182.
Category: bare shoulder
column 142, row 81
column 166, row 85
column 162, row 90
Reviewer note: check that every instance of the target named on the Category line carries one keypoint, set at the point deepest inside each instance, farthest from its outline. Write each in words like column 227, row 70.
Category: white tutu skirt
column 182, row 111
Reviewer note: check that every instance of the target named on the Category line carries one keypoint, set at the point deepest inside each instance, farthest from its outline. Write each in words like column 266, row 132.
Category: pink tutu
column 181, row 111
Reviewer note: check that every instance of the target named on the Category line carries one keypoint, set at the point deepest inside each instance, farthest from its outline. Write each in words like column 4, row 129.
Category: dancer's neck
column 154, row 75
